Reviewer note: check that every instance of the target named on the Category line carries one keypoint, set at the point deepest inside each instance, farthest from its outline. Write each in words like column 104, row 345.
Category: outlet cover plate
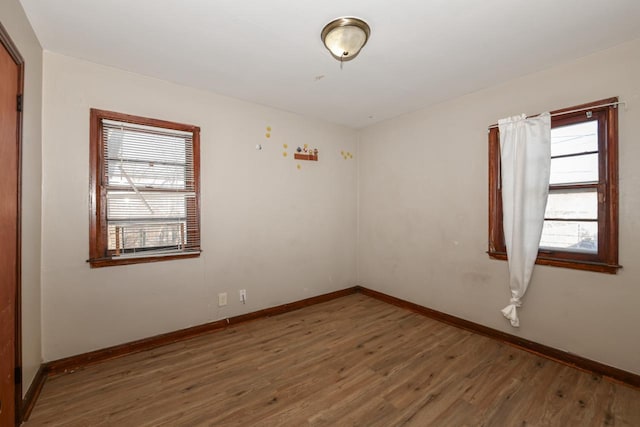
column 222, row 299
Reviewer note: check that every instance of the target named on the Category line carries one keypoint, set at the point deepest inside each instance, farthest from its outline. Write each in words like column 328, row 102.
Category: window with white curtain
column 581, row 219
column 145, row 201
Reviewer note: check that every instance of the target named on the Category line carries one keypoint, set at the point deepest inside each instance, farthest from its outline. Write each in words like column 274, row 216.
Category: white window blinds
column 148, row 184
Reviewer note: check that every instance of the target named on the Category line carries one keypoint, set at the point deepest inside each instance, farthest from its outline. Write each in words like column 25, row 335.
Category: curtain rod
column 495, row 125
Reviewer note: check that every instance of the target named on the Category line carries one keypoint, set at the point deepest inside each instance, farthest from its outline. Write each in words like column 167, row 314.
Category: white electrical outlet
column 222, row 299
column 243, row 295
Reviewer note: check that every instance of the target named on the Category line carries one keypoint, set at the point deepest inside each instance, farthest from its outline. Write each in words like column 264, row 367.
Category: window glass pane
column 122, row 205
column 144, row 174
column 576, row 138
column 572, row 204
column 577, row 236
column 135, row 237
column 567, row 170
column 147, row 159
column 147, row 146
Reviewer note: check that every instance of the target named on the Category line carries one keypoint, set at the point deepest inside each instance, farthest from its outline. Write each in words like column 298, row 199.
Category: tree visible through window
column 581, row 220
column 145, row 185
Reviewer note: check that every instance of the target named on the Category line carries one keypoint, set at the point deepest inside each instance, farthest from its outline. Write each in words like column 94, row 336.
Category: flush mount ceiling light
column 344, row 37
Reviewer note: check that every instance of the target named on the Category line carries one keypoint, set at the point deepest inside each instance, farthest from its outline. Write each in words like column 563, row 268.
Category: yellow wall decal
column 346, row 155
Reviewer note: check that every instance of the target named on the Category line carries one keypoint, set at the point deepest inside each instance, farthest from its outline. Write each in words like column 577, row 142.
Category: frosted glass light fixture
column 344, row 37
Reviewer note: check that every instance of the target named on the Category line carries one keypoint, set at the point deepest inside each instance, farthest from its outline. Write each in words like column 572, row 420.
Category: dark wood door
column 10, row 87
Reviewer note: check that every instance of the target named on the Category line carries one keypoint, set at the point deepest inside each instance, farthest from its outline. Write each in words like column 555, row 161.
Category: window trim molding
column 606, row 260
column 98, row 256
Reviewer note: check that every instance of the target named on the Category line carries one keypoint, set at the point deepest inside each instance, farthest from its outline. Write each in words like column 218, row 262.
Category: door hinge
column 19, row 106
column 17, row 375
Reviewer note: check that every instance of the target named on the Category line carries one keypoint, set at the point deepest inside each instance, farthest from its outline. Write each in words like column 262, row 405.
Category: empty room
column 290, row 213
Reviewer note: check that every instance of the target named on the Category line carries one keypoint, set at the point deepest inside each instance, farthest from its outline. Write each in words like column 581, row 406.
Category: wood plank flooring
column 350, row 361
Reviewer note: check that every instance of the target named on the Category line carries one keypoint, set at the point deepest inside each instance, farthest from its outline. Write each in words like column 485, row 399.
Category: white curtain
column 525, row 151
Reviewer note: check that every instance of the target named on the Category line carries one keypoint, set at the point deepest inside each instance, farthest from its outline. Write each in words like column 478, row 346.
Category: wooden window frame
column 606, row 258
column 99, row 255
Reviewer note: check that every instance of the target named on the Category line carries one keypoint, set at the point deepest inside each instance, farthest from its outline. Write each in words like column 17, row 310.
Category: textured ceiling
column 269, row 52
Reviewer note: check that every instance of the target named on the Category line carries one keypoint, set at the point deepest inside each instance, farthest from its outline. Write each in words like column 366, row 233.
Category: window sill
column 599, row 267
column 109, row 262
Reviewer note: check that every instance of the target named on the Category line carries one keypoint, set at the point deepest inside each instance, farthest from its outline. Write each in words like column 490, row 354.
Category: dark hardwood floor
column 350, row 361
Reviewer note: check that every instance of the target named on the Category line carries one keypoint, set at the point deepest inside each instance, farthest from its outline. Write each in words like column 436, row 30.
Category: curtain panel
column 525, row 152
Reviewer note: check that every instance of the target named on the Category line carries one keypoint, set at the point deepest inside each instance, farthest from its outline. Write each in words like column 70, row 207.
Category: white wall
column 15, row 21
column 281, row 233
column 423, row 191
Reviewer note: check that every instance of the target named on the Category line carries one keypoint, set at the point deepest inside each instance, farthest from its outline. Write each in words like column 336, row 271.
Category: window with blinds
column 146, row 189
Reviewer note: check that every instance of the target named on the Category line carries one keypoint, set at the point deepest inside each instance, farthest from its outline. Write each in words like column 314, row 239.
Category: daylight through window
column 581, row 220
column 146, row 189
column 571, row 218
